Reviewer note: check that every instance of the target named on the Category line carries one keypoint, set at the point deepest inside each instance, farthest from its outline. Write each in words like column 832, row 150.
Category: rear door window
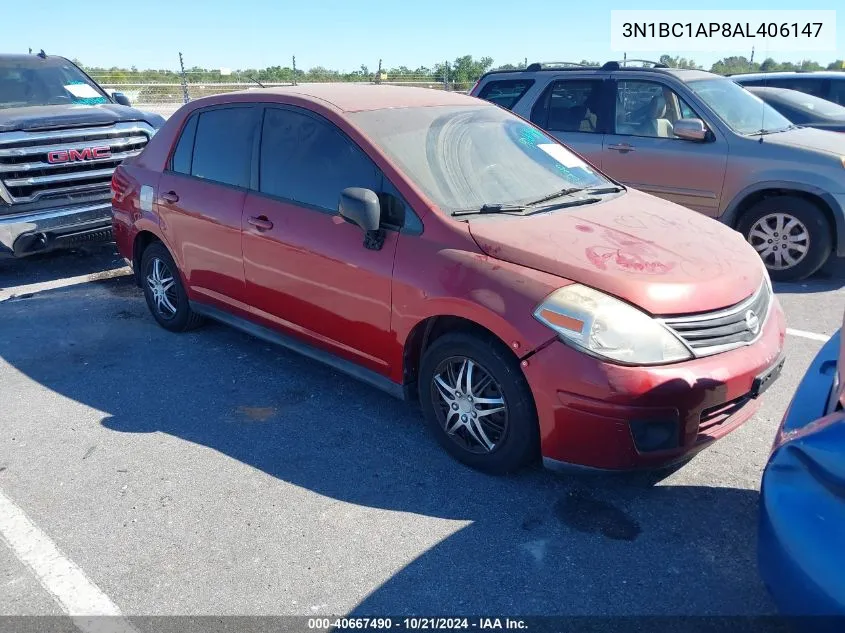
column 223, row 145
column 310, row 161
column 571, row 105
column 505, row 92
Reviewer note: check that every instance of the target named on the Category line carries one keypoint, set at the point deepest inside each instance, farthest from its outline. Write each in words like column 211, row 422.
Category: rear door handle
column 621, row 147
column 170, row 196
column 261, row 223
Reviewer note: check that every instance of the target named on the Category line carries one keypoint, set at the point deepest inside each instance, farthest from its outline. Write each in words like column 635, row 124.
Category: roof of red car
column 351, row 97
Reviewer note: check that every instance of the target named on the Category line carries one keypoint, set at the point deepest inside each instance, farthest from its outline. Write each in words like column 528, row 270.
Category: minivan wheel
column 790, row 234
column 478, row 404
column 163, row 290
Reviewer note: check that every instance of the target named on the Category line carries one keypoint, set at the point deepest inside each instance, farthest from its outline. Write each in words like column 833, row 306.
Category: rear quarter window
column 506, row 92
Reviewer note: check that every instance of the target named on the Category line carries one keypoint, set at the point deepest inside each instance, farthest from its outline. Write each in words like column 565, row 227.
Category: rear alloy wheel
column 478, row 404
column 163, row 290
column 790, row 234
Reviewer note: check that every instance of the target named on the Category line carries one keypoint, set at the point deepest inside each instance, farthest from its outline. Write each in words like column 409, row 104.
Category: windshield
column 32, row 81
column 464, row 157
column 740, row 110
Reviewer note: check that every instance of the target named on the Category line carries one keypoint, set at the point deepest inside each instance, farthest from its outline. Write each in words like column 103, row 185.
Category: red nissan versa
column 442, row 248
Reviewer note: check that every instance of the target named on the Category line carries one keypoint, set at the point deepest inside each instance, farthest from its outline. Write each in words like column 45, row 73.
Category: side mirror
column 121, row 99
column 690, row 129
column 362, row 207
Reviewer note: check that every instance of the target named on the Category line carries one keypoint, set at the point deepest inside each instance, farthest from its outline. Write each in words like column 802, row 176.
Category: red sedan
column 446, row 250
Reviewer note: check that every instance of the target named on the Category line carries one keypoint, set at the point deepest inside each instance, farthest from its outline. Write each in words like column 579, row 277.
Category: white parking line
column 17, row 291
column 61, row 577
column 810, row 335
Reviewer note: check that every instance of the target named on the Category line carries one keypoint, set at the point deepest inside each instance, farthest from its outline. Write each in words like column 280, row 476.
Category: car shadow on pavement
column 530, row 543
column 56, row 265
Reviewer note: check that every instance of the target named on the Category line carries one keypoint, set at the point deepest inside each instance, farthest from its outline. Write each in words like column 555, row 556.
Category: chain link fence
column 166, row 91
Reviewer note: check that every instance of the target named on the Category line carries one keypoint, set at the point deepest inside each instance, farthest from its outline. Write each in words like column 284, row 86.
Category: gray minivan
column 697, row 139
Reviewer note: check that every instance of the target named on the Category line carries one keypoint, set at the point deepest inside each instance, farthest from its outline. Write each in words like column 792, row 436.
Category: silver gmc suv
column 61, row 136
column 697, row 139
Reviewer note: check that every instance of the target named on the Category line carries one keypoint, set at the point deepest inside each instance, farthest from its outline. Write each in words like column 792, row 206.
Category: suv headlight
column 605, row 326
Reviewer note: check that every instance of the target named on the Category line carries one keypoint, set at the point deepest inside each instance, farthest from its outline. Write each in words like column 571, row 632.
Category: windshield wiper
column 576, row 202
column 603, row 190
column 556, row 194
column 764, row 131
column 491, row 208
column 520, row 209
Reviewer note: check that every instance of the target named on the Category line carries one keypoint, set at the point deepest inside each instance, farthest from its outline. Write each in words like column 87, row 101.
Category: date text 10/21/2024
column 416, row 623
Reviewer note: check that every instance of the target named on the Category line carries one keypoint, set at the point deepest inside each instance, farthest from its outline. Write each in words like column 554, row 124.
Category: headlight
column 610, row 328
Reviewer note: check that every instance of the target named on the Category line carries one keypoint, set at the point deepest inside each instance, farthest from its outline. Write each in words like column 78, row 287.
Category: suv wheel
column 791, row 235
column 163, row 290
column 478, row 404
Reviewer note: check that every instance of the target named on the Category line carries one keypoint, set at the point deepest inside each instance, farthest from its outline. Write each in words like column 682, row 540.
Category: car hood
column 36, row 118
column 826, row 141
column 655, row 254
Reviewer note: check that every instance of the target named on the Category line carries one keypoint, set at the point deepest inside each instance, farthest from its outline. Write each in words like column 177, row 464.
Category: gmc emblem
column 73, row 155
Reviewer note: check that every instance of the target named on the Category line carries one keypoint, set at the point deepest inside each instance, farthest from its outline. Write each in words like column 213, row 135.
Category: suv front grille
column 26, row 175
column 714, row 332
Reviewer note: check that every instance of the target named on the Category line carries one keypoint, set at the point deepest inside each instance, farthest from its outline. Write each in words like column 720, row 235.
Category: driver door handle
column 261, row 223
column 170, row 196
column 621, row 147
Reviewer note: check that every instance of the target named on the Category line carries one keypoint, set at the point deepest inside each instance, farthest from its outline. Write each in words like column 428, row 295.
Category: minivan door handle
column 170, row 196
column 621, row 147
column 261, row 223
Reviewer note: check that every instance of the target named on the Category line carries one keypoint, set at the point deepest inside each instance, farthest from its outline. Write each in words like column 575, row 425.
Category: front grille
column 27, row 176
column 714, row 332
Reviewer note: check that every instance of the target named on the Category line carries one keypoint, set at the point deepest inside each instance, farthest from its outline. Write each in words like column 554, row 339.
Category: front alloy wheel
column 472, row 409
column 477, row 402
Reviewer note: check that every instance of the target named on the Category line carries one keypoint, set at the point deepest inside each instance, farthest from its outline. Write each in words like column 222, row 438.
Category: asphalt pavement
column 211, row 473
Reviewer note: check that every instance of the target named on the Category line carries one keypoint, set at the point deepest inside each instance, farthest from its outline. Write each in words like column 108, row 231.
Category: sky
column 342, row 35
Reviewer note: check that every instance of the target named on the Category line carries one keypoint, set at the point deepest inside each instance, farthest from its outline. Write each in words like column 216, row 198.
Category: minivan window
column 181, row 161
column 505, row 92
column 570, row 105
column 462, row 157
column 309, row 161
column 740, row 110
column 223, row 145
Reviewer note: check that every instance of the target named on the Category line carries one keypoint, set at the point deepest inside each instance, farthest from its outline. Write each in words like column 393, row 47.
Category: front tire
column 478, row 404
column 791, row 235
column 164, row 292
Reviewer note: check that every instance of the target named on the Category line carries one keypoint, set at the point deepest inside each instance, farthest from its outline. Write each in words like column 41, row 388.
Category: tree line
column 462, row 70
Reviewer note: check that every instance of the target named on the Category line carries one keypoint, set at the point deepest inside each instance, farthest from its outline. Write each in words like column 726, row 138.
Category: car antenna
column 42, row 54
column 253, row 79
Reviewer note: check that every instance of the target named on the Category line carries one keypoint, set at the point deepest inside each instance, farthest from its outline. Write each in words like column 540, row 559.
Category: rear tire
column 478, row 404
column 164, row 292
column 791, row 235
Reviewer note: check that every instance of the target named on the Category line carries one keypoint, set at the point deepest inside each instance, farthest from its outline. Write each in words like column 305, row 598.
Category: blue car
column 801, row 548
